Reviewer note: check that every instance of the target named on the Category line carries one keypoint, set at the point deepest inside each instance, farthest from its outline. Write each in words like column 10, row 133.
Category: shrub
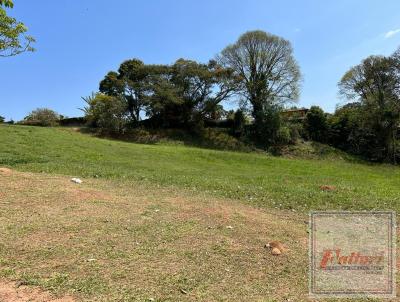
column 196, row 127
column 107, row 113
column 220, row 139
column 2, row 119
column 239, row 122
column 42, row 117
column 283, row 136
column 296, row 130
column 73, row 121
column 316, row 124
column 267, row 128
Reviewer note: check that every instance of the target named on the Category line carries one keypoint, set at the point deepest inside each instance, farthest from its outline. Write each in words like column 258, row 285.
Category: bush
column 283, row 136
column 296, row 130
column 316, row 124
column 266, row 127
column 196, row 127
column 144, row 136
column 42, row 117
column 2, row 119
column 239, row 123
column 220, row 139
column 107, row 113
column 73, row 121
column 214, row 138
column 227, row 123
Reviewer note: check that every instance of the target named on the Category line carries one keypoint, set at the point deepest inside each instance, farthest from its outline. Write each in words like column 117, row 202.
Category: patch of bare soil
column 11, row 292
column 5, row 171
column 327, row 188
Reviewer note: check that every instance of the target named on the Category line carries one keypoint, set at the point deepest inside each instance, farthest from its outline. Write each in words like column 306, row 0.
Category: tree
column 316, row 124
column 42, row 117
column 375, row 84
column 188, row 92
column 129, row 84
column 343, row 127
column 7, row 3
column 200, row 88
column 13, row 38
column 171, row 95
column 216, row 112
column 107, row 113
column 2, row 118
column 239, row 123
column 268, row 71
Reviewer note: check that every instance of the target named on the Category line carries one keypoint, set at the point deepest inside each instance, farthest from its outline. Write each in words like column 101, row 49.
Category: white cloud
column 391, row 33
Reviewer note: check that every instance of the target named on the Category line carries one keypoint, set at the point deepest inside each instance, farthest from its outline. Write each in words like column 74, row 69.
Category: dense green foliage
column 375, row 85
column 188, row 94
column 260, row 72
column 13, row 38
column 316, row 124
column 239, row 123
column 42, row 117
column 129, row 84
column 256, row 178
column 107, row 113
column 7, row 3
column 178, row 95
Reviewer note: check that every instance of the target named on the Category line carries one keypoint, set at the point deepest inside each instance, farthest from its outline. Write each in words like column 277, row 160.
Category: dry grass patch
column 114, row 241
column 14, row 292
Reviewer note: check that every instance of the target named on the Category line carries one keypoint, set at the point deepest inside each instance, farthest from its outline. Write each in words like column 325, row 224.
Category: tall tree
column 128, row 83
column 202, row 87
column 188, row 91
column 13, row 38
column 269, row 73
column 375, row 83
column 172, row 95
column 316, row 124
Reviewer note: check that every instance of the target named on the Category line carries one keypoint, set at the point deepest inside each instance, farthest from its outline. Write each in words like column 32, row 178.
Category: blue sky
column 78, row 42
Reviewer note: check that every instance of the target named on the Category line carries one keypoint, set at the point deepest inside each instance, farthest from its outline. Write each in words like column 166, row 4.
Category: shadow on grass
column 220, row 139
column 209, row 138
column 315, row 150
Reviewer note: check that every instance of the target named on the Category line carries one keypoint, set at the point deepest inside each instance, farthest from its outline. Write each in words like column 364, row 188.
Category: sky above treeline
column 78, row 42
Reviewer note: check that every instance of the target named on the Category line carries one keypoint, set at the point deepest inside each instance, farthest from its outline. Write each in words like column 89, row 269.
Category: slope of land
column 162, row 222
column 265, row 181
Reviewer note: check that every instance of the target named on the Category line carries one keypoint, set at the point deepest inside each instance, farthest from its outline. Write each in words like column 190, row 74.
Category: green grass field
column 262, row 180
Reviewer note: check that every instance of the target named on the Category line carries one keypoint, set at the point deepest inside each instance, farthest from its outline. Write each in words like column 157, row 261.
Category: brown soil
column 11, row 292
column 327, row 188
column 5, row 171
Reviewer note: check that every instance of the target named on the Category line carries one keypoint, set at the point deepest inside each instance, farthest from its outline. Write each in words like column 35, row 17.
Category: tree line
column 259, row 73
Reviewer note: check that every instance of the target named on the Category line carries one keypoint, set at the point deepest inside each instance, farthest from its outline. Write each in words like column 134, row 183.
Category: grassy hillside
column 257, row 178
column 149, row 224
